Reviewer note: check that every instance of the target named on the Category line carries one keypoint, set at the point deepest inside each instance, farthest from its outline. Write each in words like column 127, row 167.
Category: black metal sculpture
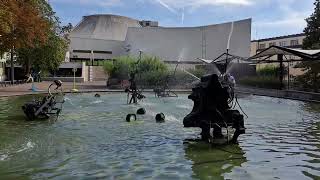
column 164, row 90
column 133, row 91
column 47, row 106
column 212, row 111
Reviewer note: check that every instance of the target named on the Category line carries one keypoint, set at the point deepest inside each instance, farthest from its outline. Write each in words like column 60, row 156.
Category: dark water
column 91, row 139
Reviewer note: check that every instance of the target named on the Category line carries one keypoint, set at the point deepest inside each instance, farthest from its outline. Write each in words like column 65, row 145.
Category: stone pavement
column 24, row 89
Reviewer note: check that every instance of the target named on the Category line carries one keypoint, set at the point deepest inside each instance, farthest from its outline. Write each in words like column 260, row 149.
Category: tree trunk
column 12, row 66
column 314, row 84
column 28, row 66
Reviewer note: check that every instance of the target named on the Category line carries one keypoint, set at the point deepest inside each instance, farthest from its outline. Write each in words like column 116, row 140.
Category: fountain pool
column 91, row 139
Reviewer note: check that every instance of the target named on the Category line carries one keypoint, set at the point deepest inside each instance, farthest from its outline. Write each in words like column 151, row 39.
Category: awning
column 276, row 50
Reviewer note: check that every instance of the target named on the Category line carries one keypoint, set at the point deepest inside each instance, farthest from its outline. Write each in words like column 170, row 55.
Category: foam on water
column 27, row 146
column 3, row 157
column 96, row 102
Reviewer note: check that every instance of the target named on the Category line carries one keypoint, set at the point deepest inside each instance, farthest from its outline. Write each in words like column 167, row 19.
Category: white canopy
column 276, row 50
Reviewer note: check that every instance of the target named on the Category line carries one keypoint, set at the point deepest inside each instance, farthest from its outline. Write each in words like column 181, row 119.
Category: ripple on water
column 92, row 139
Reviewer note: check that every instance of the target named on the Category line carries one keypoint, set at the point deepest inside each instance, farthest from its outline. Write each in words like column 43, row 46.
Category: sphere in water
column 160, row 118
column 131, row 117
column 97, row 95
column 141, row 111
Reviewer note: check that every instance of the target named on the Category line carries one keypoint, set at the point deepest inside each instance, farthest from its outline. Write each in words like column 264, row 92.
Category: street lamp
column 74, row 70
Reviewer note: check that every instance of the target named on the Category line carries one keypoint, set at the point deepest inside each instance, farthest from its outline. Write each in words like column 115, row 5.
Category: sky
column 270, row 18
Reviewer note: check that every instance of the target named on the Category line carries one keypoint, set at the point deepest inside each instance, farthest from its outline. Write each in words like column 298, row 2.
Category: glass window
column 262, row 46
column 294, row 42
column 272, row 44
column 283, row 43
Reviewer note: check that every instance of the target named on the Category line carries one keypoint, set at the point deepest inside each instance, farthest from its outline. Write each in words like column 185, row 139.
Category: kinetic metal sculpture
column 133, row 91
column 212, row 111
column 47, row 106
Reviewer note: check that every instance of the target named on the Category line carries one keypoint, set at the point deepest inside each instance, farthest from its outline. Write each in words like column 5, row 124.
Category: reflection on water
column 92, row 139
column 212, row 162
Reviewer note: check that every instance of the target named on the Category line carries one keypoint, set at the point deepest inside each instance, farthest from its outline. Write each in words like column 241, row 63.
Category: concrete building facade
column 101, row 37
column 290, row 41
column 3, row 59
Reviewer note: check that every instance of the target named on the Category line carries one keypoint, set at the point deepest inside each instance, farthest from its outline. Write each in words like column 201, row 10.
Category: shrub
column 149, row 63
column 261, row 82
column 199, row 72
column 108, row 67
column 150, row 70
column 268, row 70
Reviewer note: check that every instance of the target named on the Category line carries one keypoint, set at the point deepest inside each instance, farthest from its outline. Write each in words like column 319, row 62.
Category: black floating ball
column 131, row 117
column 97, row 95
column 160, row 117
column 141, row 111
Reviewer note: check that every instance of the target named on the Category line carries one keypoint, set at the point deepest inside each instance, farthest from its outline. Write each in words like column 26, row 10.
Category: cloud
column 178, row 4
column 182, row 16
column 102, row 3
column 165, row 5
column 290, row 19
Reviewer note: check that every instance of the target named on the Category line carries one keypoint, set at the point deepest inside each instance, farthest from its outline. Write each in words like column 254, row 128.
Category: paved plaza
column 25, row 89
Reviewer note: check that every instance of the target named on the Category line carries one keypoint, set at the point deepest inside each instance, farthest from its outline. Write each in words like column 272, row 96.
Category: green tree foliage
column 49, row 55
column 21, row 24
column 149, row 71
column 122, row 67
column 311, row 78
column 108, row 67
column 267, row 78
column 268, row 70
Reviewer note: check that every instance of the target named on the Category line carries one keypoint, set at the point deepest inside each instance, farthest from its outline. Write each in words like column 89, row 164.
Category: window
column 292, row 78
column 262, row 46
column 294, row 42
column 147, row 23
column 272, row 44
column 291, row 63
column 283, row 43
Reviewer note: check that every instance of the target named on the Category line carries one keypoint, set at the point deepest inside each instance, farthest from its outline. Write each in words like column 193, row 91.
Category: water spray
column 228, row 46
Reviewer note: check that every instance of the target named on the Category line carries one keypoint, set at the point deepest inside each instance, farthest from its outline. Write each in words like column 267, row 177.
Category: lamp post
column 74, row 70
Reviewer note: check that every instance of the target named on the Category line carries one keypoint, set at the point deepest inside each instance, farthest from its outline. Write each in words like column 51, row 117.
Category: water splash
column 182, row 54
column 3, row 157
column 189, row 73
column 96, row 102
column 29, row 145
column 231, row 67
column 69, row 100
column 215, row 69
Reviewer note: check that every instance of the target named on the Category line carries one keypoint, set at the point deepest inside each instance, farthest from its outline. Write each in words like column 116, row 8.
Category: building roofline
column 110, row 15
column 279, row 37
column 195, row 27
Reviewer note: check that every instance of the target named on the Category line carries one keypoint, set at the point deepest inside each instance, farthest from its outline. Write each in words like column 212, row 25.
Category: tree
column 311, row 77
column 49, row 55
column 65, row 31
column 21, row 25
column 46, row 57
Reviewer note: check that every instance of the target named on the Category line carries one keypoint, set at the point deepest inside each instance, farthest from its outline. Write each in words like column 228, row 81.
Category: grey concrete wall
column 100, row 33
column 95, row 44
column 107, row 27
column 187, row 44
column 287, row 94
